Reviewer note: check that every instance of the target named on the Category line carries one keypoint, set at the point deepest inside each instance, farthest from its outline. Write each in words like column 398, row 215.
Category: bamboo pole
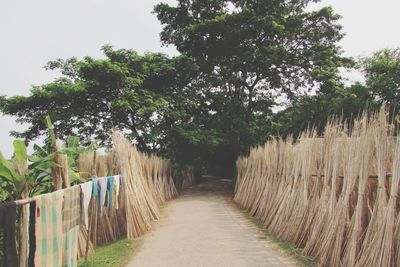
column 92, row 208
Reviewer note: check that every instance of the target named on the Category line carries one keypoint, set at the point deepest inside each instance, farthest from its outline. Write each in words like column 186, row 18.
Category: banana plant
column 72, row 150
column 23, row 175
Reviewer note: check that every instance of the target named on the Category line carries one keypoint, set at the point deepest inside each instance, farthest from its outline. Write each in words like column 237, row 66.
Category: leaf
column 44, row 163
column 20, row 157
column 75, row 178
column 20, row 154
column 51, row 130
column 7, row 172
column 34, row 158
column 73, row 141
column 39, row 151
column 72, row 150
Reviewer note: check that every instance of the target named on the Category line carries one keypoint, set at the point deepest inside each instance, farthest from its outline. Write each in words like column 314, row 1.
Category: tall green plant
column 27, row 175
column 23, row 174
column 72, row 150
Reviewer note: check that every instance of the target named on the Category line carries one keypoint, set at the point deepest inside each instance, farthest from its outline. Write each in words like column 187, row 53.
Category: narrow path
column 204, row 228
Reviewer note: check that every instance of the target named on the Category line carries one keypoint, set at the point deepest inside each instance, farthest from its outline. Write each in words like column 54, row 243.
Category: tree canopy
column 382, row 73
column 126, row 91
column 239, row 60
column 248, row 47
column 252, row 52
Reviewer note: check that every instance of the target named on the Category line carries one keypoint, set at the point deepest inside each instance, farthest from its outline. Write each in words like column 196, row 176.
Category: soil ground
column 203, row 227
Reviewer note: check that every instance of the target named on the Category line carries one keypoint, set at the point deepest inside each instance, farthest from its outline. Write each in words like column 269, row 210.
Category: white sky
column 35, row 32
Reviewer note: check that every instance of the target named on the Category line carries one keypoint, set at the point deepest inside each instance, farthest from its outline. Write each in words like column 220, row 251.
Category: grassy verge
column 115, row 254
column 296, row 253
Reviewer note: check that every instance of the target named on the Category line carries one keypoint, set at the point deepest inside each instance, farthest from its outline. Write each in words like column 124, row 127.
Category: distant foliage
column 239, row 62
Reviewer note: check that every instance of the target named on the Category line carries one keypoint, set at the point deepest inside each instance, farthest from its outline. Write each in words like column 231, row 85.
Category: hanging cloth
column 71, row 215
column 86, row 190
column 48, row 229
column 70, row 247
column 23, row 250
column 117, row 185
column 95, row 191
column 110, row 191
column 102, row 183
column 71, row 221
column 32, row 237
column 8, row 215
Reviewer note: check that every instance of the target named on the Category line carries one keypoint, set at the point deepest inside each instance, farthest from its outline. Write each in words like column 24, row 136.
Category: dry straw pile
column 336, row 197
column 147, row 184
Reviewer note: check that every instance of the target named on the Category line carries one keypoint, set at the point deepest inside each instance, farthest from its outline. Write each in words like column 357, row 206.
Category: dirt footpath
column 204, row 228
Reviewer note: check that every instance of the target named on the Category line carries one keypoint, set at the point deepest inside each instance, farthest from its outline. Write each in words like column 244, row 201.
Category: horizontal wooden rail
column 24, row 201
column 341, row 176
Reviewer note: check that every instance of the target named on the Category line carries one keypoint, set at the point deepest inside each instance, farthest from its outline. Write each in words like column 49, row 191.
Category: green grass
column 115, row 254
column 296, row 253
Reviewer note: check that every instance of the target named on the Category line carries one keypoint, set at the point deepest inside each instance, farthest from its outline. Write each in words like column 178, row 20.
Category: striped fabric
column 71, row 214
column 48, row 229
column 71, row 220
column 70, row 249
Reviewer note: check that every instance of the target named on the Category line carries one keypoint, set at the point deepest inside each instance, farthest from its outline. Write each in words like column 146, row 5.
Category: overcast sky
column 34, row 32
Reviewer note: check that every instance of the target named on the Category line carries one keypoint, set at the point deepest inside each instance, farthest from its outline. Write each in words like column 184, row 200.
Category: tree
column 256, row 45
column 250, row 53
column 344, row 103
column 382, row 87
column 382, row 73
column 139, row 95
column 208, row 105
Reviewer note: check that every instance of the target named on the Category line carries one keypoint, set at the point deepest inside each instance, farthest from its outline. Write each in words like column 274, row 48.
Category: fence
column 146, row 185
column 335, row 197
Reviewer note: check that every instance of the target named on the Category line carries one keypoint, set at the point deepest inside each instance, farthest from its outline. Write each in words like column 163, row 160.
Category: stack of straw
column 148, row 184
column 336, row 197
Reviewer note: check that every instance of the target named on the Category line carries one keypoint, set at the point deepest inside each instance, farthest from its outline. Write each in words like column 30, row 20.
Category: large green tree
column 252, row 52
column 381, row 87
column 344, row 103
column 382, row 74
column 144, row 96
column 208, row 105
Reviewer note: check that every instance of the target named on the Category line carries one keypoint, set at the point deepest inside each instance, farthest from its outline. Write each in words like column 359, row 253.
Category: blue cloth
column 110, row 189
column 95, row 190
